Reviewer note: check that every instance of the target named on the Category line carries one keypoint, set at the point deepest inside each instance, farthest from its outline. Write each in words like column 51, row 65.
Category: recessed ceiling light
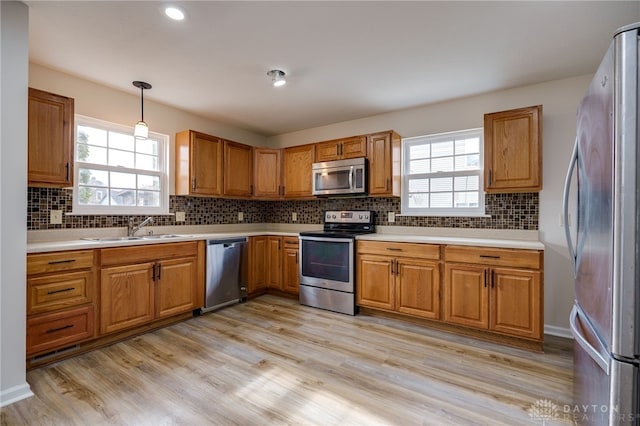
column 277, row 78
column 174, row 13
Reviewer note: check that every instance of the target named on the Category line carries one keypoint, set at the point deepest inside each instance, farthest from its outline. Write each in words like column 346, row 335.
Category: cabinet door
column 290, row 267
column 267, row 172
column 327, row 151
column 375, row 282
column 175, row 286
column 515, row 302
column 206, row 165
column 237, row 168
column 418, row 288
column 384, row 154
column 274, row 263
column 50, row 143
column 513, row 150
column 297, row 162
column 257, row 263
column 466, row 295
column 354, row 147
column 126, row 296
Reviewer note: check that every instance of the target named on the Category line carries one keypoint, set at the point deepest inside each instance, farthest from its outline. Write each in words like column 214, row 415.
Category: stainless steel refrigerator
column 605, row 320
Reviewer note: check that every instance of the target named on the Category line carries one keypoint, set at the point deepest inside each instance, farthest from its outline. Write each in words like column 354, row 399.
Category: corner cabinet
column 140, row 285
column 384, row 153
column 198, row 164
column 50, row 142
column 296, row 171
column 267, row 173
column 402, row 277
column 238, row 170
column 499, row 290
column 513, row 150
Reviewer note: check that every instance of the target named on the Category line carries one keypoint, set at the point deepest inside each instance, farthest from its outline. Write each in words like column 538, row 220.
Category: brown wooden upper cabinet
column 238, row 159
column 296, row 174
column 198, row 164
column 513, row 150
column 50, row 139
column 267, row 173
column 353, row 147
column 385, row 155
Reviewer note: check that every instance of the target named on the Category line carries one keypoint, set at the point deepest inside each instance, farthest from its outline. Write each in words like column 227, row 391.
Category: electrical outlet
column 240, row 216
column 391, row 217
column 294, row 216
column 180, row 217
column 56, row 217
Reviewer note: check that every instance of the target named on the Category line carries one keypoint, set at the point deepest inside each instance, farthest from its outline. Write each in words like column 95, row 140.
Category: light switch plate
column 240, row 216
column 294, row 216
column 391, row 217
column 56, row 217
column 180, row 217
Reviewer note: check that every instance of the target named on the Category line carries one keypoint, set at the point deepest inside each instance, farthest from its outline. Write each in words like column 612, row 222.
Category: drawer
column 290, row 242
column 50, row 292
column 61, row 261
column 60, row 329
column 147, row 253
column 415, row 250
column 532, row 259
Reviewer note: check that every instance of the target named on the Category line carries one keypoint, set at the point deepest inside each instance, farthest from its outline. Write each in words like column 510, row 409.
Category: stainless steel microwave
column 340, row 177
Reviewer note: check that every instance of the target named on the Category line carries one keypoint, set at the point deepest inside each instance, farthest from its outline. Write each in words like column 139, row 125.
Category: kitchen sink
column 106, row 239
column 142, row 237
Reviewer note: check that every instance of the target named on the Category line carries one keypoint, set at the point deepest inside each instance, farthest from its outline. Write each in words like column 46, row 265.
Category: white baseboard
column 15, row 394
column 558, row 331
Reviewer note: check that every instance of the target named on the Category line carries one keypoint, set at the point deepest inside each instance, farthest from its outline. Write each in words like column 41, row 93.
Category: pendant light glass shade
column 141, row 130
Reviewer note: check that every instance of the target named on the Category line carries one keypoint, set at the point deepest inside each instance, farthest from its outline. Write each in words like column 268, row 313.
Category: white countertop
column 72, row 239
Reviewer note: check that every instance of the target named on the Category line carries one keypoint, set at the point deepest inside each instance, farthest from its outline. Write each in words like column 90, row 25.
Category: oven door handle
column 328, row 239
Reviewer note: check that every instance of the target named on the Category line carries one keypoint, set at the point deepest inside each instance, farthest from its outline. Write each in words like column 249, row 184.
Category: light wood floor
column 271, row 361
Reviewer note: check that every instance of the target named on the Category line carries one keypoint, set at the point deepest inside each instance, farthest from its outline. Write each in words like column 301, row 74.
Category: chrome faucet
column 131, row 230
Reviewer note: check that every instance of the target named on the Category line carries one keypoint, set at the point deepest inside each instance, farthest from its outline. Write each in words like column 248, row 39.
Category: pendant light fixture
column 141, row 130
column 277, row 78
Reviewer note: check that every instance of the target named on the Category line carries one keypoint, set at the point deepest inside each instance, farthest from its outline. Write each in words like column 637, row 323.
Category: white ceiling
column 344, row 60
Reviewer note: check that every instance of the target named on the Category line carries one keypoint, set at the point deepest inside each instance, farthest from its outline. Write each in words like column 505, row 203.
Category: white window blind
column 442, row 174
column 116, row 173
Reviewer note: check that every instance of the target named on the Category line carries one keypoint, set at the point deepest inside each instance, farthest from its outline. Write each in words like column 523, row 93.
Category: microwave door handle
column 351, row 171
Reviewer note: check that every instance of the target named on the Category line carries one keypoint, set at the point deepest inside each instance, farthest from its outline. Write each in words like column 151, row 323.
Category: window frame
column 162, row 172
column 448, row 211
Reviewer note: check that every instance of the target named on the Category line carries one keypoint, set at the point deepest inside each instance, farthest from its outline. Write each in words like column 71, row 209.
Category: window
column 442, row 174
column 116, row 173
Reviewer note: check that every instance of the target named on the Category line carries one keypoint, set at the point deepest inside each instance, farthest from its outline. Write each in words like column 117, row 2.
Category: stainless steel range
column 327, row 260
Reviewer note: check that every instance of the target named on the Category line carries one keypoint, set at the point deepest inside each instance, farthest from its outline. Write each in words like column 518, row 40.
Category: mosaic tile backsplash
column 507, row 211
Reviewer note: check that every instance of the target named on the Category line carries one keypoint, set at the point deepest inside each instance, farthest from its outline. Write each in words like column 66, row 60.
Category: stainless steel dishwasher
column 226, row 271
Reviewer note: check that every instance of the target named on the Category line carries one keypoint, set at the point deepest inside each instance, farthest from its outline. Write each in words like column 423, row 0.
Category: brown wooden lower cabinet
column 406, row 280
column 139, row 285
column 60, row 300
column 489, row 289
column 273, row 264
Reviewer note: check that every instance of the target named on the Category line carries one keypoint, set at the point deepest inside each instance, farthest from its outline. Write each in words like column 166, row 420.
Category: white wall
column 14, row 51
column 560, row 99
column 105, row 103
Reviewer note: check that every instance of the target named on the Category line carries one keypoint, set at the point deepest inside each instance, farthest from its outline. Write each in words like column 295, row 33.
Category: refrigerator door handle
column 584, row 344
column 565, row 206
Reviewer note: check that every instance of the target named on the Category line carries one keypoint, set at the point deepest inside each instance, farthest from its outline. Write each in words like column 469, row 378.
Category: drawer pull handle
column 55, row 262
column 64, row 327
column 61, row 290
column 394, row 249
column 487, row 256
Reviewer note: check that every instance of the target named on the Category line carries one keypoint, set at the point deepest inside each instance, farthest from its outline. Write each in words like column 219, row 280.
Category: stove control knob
column 333, row 217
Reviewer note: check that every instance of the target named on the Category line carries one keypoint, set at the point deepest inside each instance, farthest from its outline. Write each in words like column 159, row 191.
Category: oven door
column 327, row 262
